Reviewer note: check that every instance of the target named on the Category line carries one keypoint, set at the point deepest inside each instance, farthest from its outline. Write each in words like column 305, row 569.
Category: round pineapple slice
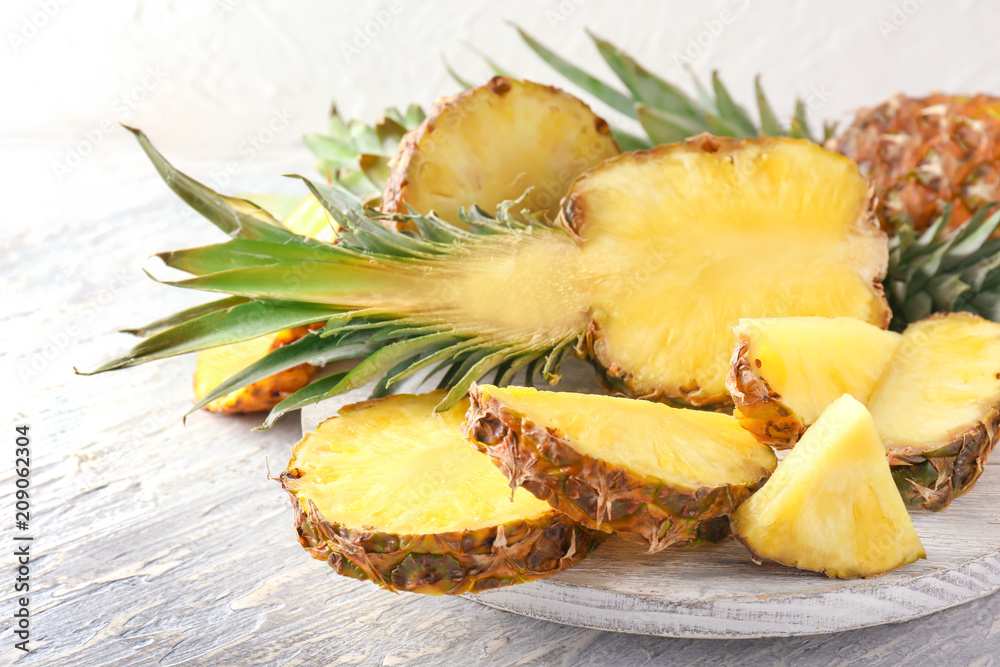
column 832, row 505
column 787, row 370
column 653, row 474
column 937, row 407
column 490, row 144
column 389, row 491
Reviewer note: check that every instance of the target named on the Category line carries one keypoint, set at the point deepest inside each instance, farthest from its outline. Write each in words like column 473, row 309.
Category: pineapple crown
column 278, row 279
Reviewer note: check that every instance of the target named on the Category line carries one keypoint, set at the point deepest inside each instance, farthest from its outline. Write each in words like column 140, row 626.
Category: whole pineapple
column 923, row 152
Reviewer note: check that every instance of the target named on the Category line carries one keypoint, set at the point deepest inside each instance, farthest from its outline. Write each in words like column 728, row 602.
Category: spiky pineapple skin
column 922, row 151
column 758, row 407
column 264, row 394
column 594, row 493
column 933, row 479
column 450, row 563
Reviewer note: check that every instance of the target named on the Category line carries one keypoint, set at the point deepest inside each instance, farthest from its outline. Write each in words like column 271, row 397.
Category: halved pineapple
column 937, row 407
column 655, row 256
column 389, row 491
column 787, row 370
column 651, row 473
column 490, row 144
column 218, row 364
column 832, row 505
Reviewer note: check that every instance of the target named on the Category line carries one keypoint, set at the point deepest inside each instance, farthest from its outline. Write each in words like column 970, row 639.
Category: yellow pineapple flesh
column 786, row 371
column 832, row 505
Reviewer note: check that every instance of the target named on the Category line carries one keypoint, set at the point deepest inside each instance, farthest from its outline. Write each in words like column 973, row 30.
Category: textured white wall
column 203, row 77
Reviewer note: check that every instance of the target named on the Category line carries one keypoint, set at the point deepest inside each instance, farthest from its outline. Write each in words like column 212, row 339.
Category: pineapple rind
column 600, row 495
column 451, row 562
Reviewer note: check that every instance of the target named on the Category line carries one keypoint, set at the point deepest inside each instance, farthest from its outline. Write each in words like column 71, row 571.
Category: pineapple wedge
column 937, row 407
column 832, row 506
column 217, row 364
column 787, row 370
column 651, row 473
column 390, row 492
column 489, row 144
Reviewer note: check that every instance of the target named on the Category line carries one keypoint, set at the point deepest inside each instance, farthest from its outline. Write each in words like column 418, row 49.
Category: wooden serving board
column 717, row 591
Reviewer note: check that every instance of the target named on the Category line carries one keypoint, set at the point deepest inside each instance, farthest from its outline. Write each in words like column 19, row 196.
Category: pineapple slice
column 832, row 505
column 937, row 407
column 786, row 371
column 389, row 491
column 651, row 473
column 489, row 144
column 218, row 364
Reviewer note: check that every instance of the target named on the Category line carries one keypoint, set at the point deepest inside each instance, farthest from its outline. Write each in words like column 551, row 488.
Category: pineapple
column 490, row 144
column 653, row 259
column 934, row 392
column 786, row 371
column 937, row 406
column 651, row 473
column 390, row 492
column 923, row 152
column 218, row 364
column 915, row 151
column 832, row 506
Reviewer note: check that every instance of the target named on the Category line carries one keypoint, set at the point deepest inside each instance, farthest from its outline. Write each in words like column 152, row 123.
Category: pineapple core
column 809, row 362
column 395, row 466
column 832, row 505
column 683, row 448
column 948, row 366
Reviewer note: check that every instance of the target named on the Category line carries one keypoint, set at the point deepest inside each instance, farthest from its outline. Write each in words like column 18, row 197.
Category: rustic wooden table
column 156, row 543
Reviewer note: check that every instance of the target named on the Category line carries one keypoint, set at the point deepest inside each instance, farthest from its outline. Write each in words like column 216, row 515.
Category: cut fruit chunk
column 489, row 144
column 832, row 506
column 218, row 364
column 651, row 473
column 389, row 491
column 787, row 370
column 937, row 407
